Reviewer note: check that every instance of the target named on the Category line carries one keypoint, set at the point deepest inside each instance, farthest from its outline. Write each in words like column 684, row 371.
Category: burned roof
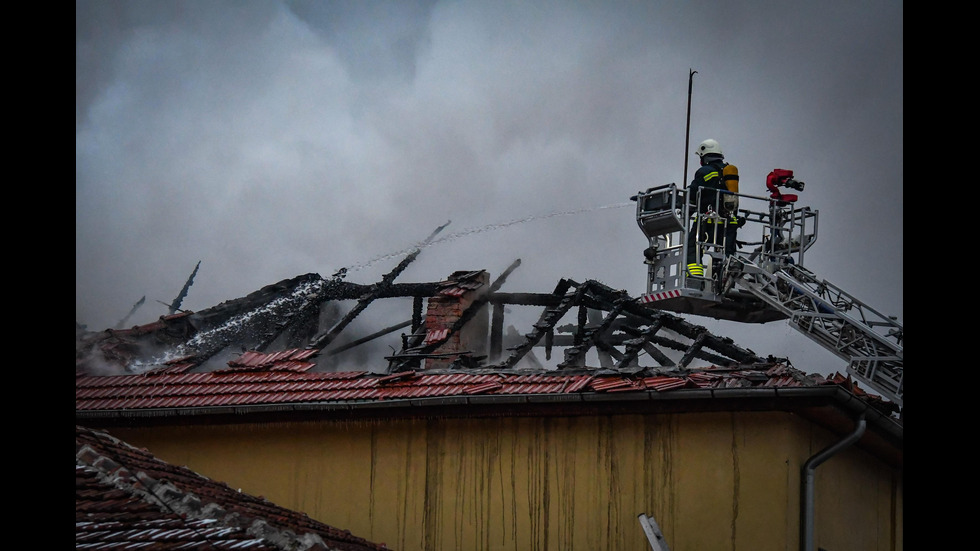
column 279, row 344
column 306, row 312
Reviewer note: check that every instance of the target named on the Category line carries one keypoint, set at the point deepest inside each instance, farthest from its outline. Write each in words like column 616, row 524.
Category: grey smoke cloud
column 270, row 139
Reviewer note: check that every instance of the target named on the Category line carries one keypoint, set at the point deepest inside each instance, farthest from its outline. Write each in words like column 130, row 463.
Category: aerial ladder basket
column 665, row 217
column 765, row 279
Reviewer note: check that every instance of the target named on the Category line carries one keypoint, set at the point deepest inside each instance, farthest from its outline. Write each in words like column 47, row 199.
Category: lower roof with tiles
column 126, row 498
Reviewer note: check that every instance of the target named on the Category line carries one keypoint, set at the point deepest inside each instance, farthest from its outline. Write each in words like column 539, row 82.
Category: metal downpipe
column 809, row 468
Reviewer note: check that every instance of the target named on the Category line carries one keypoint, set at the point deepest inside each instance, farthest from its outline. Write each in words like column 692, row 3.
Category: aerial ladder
column 765, row 279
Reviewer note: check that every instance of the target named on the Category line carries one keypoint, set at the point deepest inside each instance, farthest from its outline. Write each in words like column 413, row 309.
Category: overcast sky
column 269, row 139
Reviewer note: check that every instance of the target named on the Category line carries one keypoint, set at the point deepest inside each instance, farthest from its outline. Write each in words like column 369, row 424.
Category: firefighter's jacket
column 708, row 180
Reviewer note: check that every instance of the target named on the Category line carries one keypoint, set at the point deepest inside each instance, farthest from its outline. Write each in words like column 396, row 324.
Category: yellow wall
column 713, row 481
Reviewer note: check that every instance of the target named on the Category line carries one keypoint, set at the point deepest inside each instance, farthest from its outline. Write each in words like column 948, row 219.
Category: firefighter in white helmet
column 716, row 214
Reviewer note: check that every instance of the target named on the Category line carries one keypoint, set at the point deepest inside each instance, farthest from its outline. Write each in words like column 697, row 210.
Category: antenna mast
column 687, row 135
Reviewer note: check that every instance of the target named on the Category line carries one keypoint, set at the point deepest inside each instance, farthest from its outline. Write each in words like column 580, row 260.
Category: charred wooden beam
column 525, row 299
column 368, row 338
column 694, row 349
column 529, row 357
column 603, row 349
column 549, row 316
column 657, row 355
column 634, row 346
column 496, row 331
column 417, row 305
column 321, row 342
column 175, row 305
column 122, row 322
column 575, row 356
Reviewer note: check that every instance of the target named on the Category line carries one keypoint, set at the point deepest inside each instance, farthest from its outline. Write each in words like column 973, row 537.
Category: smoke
column 270, row 139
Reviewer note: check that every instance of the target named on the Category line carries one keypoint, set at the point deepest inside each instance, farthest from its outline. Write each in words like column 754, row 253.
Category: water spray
column 463, row 233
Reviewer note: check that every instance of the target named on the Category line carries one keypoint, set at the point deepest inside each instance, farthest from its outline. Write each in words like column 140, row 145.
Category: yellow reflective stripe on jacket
column 710, row 175
column 732, row 220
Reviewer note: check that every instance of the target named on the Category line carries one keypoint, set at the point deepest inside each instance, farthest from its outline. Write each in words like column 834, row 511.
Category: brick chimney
column 455, row 296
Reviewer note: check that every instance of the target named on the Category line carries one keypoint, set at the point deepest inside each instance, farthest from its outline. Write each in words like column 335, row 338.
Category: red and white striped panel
column 653, row 297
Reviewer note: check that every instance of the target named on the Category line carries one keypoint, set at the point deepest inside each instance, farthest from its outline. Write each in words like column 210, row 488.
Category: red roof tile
column 436, row 335
column 664, row 383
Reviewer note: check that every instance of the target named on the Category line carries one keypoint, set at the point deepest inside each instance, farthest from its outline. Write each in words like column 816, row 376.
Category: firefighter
column 716, row 215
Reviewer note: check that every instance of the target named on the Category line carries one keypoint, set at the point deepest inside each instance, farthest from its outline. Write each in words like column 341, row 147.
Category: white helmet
column 709, row 146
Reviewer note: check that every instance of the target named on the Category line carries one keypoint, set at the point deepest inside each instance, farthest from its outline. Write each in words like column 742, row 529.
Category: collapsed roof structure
column 287, row 315
column 455, row 325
